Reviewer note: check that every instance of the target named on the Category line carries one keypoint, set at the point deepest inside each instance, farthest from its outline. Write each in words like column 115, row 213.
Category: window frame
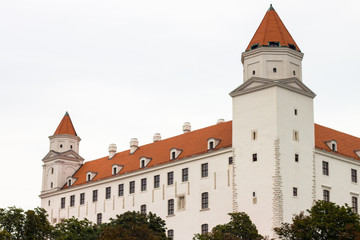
column 132, row 187
column 82, row 198
column 108, row 193
column 204, row 170
column 99, row 218
column 157, row 181
column 121, row 190
column 95, row 195
column 354, row 204
column 62, row 202
column 204, row 200
column 326, row 195
column 325, row 168
column 170, row 234
column 143, row 209
column 170, row 178
column 353, row 175
column 204, row 228
column 143, row 184
column 185, row 174
column 72, row 200
column 171, row 210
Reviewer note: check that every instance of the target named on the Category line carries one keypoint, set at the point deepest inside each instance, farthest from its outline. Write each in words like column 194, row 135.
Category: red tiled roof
column 272, row 29
column 66, row 126
column 195, row 143
column 346, row 144
column 191, row 144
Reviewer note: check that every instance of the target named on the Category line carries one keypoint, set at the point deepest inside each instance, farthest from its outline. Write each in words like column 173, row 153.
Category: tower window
column 52, row 170
column 295, row 135
column 51, row 185
column 254, row 46
column 296, row 157
column 295, row 112
column 231, row 160
column 294, row 72
column 70, row 146
column 292, row 46
column 61, row 145
column 274, row 44
column 274, row 70
column 253, row 135
column 254, row 157
column 253, row 72
column 295, row 192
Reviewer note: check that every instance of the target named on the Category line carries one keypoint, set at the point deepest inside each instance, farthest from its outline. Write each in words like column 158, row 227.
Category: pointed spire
column 272, row 32
column 66, row 126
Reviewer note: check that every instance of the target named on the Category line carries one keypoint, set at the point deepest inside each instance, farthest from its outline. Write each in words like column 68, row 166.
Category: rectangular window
column 95, row 195
column 325, row 168
column 354, row 204
column 296, row 157
column 63, row 202
column 132, row 187
column 99, row 218
column 171, row 234
column 294, row 191
column 254, row 157
column 204, row 228
column 82, row 198
column 171, row 207
column 170, row 179
column 354, row 175
column 185, row 175
column 143, row 184
column 156, row 181
column 143, row 209
column 108, row 193
column 326, row 195
column 121, row 190
column 204, row 200
column 204, row 170
column 72, row 200
column 230, row 160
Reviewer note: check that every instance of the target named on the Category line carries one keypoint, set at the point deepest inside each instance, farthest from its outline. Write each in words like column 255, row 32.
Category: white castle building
column 271, row 161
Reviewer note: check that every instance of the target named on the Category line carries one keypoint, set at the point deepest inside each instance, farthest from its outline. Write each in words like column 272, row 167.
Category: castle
column 271, row 161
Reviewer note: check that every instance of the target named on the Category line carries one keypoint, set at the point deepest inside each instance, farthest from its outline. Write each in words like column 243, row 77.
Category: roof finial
column 66, row 114
column 271, row 7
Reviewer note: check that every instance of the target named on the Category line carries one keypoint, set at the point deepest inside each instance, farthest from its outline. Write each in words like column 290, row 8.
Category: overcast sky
column 127, row 69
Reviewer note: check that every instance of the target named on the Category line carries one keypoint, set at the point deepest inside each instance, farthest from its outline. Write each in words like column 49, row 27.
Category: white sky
column 128, row 69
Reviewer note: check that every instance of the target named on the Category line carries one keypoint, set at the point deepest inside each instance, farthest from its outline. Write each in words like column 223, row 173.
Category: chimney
column 134, row 144
column 221, row 120
column 157, row 137
column 112, row 150
column 186, row 127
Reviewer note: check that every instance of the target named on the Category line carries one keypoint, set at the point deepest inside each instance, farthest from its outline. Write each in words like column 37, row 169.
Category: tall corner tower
column 273, row 129
column 63, row 159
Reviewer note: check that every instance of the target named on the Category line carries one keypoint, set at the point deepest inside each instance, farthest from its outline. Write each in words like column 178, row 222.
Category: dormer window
column 70, row 181
column 90, row 176
column 292, row 46
column 274, row 44
column 332, row 145
column 175, row 153
column 116, row 169
column 357, row 152
column 254, row 46
column 144, row 161
column 212, row 143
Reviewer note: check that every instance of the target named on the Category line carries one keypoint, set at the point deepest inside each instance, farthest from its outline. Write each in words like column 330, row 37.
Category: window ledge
column 204, row 209
column 204, row 177
column 173, row 215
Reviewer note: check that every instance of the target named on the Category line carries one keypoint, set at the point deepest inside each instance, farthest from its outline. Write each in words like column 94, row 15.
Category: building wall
column 185, row 222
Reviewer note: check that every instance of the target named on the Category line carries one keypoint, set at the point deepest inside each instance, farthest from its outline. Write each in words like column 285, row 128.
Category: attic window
column 253, row 72
column 212, row 143
column 357, row 152
column 144, row 161
column 174, row 153
column 332, row 145
column 116, row 169
column 254, row 46
column 274, row 70
column 90, row 176
column 70, row 146
column 274, row 44
column 69, row 182
column 292, row 46
column 61, row 145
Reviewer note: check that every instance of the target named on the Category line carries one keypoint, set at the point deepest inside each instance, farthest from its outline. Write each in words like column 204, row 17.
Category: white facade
column 272, row 170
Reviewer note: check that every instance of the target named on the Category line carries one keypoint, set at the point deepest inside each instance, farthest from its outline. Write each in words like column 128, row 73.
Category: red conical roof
column 272, row 29
column 66, row 126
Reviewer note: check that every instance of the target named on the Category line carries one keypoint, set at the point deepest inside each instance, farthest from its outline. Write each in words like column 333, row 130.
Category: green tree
column 75, row 229
column 134, row 226
column 325, row 220
column 239, row 227
column 15, row 224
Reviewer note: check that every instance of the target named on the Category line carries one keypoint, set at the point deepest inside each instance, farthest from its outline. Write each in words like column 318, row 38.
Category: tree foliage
column 75, row 229
column 15, row 224
column 133, row 226
column 240, row 227
column 325, row 220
